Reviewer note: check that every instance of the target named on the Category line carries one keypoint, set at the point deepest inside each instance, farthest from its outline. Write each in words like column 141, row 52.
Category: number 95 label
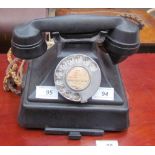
column 104, row 93
column 46, row 92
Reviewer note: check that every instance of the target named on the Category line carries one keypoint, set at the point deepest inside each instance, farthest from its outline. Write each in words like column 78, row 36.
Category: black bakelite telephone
column 75, row 87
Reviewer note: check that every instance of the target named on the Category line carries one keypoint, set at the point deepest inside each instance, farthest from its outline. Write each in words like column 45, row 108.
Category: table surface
column 138, row 74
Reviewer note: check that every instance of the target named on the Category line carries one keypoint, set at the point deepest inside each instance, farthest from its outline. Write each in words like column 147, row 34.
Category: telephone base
column 74, row 134
column 65, row 116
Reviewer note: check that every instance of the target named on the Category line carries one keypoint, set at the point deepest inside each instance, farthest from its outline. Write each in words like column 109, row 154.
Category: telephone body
column 75, row 87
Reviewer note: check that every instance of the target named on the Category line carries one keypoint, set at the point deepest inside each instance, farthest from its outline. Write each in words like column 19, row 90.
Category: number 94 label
column 104, row 93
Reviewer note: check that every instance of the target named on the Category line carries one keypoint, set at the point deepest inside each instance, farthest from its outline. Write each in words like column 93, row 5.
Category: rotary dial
column 77, row 77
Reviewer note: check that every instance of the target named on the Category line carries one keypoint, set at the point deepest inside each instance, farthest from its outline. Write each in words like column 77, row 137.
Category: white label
column 106, row 143
column 46, row 92
column 104, row 94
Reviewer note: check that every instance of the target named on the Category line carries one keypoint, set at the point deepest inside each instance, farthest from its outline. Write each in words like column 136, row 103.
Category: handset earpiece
column 28, row 42
column 122, row 41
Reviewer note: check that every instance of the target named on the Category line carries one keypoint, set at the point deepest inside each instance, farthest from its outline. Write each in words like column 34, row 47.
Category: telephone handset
column 75, row 87
column 121, row 40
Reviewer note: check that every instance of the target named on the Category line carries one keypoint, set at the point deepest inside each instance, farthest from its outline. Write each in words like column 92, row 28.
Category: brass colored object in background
column 14, row 74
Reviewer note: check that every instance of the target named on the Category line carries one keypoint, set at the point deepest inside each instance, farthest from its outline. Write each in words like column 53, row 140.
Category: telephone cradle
column 75, row 87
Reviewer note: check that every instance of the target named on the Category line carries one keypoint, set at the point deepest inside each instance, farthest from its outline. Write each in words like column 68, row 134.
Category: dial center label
column 78, row 78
